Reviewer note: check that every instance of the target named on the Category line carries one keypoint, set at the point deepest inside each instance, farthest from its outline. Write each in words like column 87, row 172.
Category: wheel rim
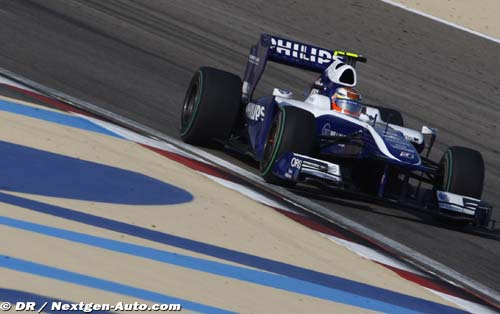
column 446, row 172
column 189, row 105
column 272, row 143
column 269, row 147
column 191, row 102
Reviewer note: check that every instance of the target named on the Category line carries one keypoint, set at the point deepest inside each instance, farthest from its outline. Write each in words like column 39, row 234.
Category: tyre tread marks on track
column 102, row 33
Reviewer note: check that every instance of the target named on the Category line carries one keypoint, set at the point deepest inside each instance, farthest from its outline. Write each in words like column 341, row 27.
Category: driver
column 347, row 100
column 336, row 82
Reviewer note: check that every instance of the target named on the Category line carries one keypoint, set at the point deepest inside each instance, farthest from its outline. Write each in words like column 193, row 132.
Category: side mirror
column 432, row 132
column 282, row 93
column 429, row 131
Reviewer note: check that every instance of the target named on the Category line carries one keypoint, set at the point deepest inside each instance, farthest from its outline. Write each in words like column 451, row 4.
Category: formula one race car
column 330, row 138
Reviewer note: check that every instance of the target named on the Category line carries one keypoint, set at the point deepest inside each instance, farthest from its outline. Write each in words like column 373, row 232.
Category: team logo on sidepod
column 296, row 163
column 326, row 129
column 255, row 112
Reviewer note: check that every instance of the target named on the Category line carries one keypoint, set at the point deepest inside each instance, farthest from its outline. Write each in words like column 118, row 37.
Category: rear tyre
column 462, row 172
column 211, row 107
column 292, row 130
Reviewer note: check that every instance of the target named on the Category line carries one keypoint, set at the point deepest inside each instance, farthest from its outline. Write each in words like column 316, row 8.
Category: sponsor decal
column 301, row 51
column 254, row 59
column 443, row 197
column 394, row 137
column 325, row 130
column 333, row 133
column 412, row 139
column 296, row 163
column 407, row 147
column 255, row 112
column 406, row 155
column 408, row 137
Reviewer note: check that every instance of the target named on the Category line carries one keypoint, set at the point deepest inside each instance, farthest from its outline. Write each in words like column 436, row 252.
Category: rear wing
column 292, row 53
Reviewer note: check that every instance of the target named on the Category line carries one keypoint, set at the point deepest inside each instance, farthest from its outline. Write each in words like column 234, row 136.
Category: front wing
column 299, row 168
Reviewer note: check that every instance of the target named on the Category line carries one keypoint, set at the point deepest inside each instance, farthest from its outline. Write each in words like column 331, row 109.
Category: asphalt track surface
column 136, row 59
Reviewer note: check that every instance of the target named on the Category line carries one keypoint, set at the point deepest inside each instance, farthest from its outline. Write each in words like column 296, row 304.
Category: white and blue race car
column 359, row 148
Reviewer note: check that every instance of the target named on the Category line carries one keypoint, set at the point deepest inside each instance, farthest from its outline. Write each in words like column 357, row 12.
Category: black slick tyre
column 211, row 107
column 292, row 130
column 462, row 172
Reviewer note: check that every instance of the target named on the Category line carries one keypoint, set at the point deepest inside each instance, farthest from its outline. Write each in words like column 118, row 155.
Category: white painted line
column 372, row 254
column 464, row 304
column 138, row 138
column 375, row 256
column 256, row 196
column 6, row 81
column 440, row 20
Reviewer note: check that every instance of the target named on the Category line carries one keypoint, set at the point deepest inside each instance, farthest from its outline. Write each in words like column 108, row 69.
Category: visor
column 348, row 106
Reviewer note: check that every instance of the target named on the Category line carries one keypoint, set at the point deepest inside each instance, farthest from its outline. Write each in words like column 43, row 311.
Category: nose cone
column 398, row 146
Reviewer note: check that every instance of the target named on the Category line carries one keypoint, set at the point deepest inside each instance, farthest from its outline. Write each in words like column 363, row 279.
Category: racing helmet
column 347, row 100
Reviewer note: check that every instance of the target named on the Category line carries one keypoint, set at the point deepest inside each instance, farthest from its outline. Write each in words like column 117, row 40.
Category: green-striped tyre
column 211, row 107
column 292, row 130
column 462, row 172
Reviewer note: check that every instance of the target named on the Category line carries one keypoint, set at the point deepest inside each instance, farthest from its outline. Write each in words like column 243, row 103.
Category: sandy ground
column 233, row 221
column 480, row 15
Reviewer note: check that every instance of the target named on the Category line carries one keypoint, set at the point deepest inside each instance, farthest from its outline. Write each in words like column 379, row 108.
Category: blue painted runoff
column 12, row 296
column 28, row 170
column 402, row 301
column 53, row 116
column 97, row 283
column 236, row 272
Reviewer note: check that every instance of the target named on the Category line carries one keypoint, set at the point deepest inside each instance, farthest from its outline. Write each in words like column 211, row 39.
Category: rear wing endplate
column 292, row 53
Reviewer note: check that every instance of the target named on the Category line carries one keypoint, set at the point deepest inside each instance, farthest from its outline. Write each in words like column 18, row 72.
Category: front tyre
column 462, row 172
column 211, row 107
column 292, row 130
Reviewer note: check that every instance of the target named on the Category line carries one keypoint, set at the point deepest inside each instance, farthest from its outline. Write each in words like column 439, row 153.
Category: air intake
column 341, row 73
column 348, row 77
